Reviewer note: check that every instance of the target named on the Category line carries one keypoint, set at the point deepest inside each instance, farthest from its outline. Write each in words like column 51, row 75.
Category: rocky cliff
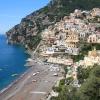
column 28, row 32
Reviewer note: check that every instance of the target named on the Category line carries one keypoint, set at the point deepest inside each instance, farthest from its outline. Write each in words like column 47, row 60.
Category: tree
column 69, row 80
column 91, row 87
column 83, row 74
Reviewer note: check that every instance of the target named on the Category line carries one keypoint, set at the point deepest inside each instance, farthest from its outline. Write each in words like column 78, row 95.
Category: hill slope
column 30, row 27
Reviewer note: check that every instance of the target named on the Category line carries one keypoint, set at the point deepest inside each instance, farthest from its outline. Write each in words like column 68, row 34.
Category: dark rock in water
column 30, row 27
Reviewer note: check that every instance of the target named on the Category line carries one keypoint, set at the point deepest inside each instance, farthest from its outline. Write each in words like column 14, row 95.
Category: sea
column 12, row 61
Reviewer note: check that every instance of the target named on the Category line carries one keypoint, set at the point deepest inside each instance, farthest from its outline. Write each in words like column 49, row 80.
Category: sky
column 12, row 11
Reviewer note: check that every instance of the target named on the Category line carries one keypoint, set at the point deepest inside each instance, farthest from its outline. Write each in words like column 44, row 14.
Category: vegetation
column 53, row 12
column 83, row 74
column 60, row 87
column 94, row 20
column 90, row 90
column 65, row 69
column 34, row 41
column 83, row 52
column 90, row 86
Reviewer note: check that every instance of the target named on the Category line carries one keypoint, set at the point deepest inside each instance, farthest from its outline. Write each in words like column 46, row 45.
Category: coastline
column 29, row 65
column 14, row 82
column 26, row 81
column 12, row 62
column 45, row 82
column 16, row 88
column 22, row 75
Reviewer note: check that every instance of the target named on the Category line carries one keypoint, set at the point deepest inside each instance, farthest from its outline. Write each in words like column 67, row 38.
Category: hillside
column 28, row 31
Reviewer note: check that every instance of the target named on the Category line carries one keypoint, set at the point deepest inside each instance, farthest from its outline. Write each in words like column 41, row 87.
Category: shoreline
column 36, row 88
column 29, row 65
column 21, row 75
column 15, row 81
column 44, row 83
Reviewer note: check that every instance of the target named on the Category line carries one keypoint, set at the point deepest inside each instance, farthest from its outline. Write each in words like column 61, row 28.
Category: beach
column 35, row 84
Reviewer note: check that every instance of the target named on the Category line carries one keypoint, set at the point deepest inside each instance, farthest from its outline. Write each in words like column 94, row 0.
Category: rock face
column 28, row 32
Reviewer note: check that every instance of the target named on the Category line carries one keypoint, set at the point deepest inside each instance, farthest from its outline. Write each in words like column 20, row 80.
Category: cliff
column 28, row 32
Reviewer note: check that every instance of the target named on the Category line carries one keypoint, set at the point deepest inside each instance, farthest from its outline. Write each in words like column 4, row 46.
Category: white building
column 72, row 51
column 94, row 38
column 60, row 61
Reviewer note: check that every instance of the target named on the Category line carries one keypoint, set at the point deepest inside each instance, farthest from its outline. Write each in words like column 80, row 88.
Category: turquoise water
column 12, row 60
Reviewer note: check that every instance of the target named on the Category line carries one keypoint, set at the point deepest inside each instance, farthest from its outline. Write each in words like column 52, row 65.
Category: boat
column 14, row 75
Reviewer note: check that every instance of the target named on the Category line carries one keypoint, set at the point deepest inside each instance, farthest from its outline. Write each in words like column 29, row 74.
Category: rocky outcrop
column 28, row 31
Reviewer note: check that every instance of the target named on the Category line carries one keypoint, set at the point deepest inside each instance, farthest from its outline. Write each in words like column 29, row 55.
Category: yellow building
column 93, row 53
column 92, row 58
column 72, row 37
column 72, row 40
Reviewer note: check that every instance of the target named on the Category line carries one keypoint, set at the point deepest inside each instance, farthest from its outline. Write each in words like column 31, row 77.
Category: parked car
column 55, row 74
column 34, row 74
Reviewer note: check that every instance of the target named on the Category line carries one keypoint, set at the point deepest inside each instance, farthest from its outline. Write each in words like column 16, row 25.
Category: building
column 72, row 51
column 92, row 58
column 72, row 44
column 60, row 61
column 94, row 38
column 47, row 51
column 95, row 12
column 72, row 37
